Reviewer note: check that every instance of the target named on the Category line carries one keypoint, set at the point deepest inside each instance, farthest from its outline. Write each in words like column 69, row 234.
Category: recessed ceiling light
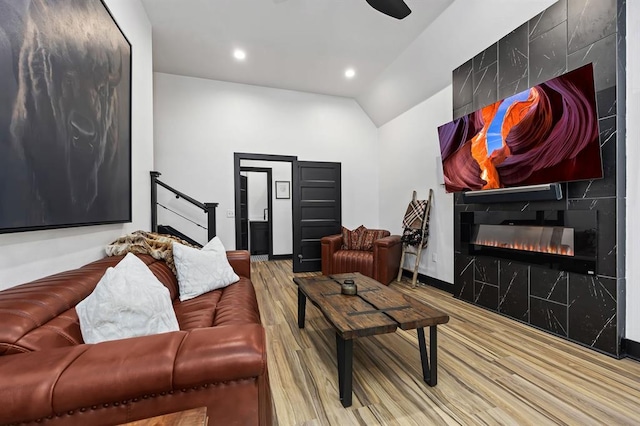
column 350, row 73
column 239, row 54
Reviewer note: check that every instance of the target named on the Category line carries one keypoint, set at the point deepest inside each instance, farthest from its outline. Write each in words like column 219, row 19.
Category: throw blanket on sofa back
column 156, row 245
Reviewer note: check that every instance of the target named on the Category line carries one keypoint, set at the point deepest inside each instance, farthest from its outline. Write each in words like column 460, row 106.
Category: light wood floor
column 491, row 370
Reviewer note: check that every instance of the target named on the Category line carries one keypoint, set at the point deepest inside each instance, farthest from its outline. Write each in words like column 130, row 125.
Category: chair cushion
column 353, row 261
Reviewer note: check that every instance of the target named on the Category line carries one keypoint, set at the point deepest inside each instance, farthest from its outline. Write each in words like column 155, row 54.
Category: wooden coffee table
column 376, row 309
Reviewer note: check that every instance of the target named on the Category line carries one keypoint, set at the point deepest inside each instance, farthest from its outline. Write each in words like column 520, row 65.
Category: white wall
column 409, row 148
column 633, row 171
column 282, row 220
column 29, row 255
column 200, row 123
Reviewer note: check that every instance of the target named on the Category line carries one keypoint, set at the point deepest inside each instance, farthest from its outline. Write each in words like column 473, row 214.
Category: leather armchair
column 381, row 264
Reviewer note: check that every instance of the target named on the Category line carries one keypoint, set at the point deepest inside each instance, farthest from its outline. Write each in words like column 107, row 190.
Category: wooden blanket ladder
column 424, row 240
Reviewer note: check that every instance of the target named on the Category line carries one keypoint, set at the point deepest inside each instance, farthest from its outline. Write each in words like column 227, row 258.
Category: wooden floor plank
column 492, row 370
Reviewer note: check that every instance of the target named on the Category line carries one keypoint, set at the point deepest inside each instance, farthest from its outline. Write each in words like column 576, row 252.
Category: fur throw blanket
column 159, row 246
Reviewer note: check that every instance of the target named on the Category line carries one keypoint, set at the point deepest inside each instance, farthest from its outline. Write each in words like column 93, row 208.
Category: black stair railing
column 208, row 208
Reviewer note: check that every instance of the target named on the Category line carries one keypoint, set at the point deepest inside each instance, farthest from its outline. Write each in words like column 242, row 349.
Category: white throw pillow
column 128, row 301
column 200, row 271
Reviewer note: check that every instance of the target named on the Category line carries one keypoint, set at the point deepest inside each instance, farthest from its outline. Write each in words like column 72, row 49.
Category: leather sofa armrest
column 329, row 245
column 46, row 383
column 240, row 261
column 386, row 258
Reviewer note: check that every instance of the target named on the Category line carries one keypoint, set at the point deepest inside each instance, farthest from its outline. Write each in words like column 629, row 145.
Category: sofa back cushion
column 232, row 305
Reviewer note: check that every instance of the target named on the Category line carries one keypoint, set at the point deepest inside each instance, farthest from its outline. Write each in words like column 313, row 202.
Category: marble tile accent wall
column 586, row 309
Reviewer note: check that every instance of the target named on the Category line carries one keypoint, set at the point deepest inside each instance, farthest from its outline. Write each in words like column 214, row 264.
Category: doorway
column 250, row 220
column 256, row 211
column 306, row 206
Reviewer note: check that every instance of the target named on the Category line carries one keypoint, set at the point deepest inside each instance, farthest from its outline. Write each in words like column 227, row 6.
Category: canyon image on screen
column 545, row 134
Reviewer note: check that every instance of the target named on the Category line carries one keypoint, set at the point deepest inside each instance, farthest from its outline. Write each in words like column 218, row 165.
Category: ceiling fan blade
column 395, row 8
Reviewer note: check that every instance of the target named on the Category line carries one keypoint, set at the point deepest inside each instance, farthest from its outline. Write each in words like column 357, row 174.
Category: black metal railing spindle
column 208, row 208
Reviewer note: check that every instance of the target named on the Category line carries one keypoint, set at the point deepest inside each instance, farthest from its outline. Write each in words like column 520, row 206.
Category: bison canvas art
column 65, row 127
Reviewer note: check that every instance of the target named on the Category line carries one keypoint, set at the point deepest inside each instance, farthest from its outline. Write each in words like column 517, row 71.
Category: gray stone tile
column 514, row 290
column 513, row 88
column 486, row 295
column 485, row 87
column 513, row 56
column 592, row 312
column 547, row 19
column 603, row 55
column 605, row 187
column 485, row 58
column 549, row 316
column 549, row 284
column 548, row 55
column 589, row 21
column 463, row 85
column 463, row 110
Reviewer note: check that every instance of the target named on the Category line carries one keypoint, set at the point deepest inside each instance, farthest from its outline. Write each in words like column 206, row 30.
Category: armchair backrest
column 361, row 238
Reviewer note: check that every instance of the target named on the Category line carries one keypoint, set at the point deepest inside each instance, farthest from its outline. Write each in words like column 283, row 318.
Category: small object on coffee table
column 349, row 288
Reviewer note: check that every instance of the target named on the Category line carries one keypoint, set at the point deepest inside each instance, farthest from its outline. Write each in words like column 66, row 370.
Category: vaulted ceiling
column 307, row 45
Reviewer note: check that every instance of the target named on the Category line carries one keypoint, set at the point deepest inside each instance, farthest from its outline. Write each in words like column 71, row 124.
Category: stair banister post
column 154, row 200
column 210, row 208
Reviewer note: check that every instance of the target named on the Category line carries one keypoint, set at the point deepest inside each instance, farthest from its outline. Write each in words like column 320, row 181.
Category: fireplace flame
column 563, row 250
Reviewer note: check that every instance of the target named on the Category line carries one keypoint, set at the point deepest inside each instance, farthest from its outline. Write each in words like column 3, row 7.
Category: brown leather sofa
column 217, row 359
column 382, row 263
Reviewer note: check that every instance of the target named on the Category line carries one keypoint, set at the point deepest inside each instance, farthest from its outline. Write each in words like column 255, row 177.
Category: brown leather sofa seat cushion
column 353, row 260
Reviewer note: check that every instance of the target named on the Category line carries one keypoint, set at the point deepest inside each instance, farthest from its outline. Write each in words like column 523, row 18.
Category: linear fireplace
column 563, row 240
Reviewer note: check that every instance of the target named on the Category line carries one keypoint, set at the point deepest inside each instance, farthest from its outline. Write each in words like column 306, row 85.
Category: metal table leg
column 430, row 375
column 345, row 369
column 302, row 304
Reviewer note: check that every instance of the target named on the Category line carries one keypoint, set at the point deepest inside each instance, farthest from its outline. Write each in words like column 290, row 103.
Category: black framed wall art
column 283, row 189
column 65, row 115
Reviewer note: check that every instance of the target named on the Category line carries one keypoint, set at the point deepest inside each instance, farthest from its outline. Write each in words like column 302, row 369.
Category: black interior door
column 317, row 210
column 244, row 214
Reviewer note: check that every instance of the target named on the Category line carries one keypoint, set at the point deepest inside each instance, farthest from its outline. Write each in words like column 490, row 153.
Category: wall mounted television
column 545, row 134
